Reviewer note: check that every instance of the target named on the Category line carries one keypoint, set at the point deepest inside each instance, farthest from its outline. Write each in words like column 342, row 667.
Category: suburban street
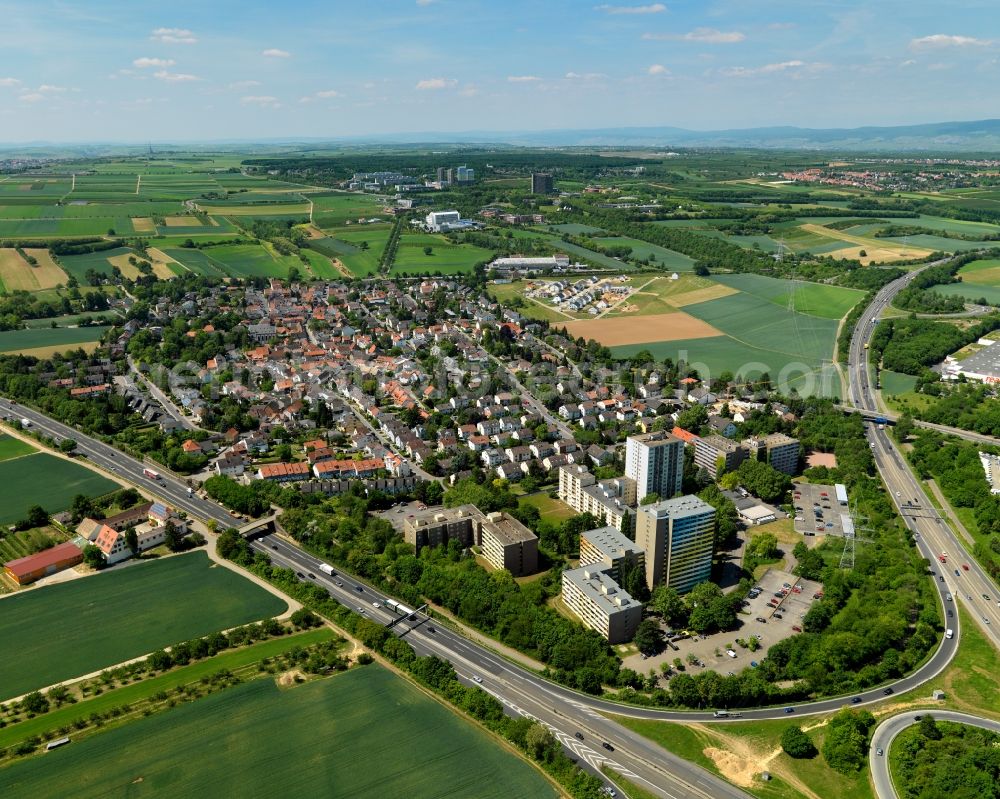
column 161, row 398
column 891, row 727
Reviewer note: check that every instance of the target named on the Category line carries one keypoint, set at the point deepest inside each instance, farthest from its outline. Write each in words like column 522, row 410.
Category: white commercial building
column 440, row 221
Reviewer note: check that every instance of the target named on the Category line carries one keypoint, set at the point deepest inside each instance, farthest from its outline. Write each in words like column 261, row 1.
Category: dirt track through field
column 897, row 251
column 619, row 331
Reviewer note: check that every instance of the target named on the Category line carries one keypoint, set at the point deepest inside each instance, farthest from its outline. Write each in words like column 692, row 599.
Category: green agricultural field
column 814, row 299
column 344, row 243
column 66, row 337
column 251, row 260
column 11, row 447
column 334, row 209
column 305, row 741
column 665, row 259
column 573, row 228
column 73, row 628
column 68, row 227
column 896, row 383
column 445, row 257
column 77, row 265
column 574, row 250
column 72, row 319
column 320, row 265
column 198, row 261
column 970, row 291
column 43, row 479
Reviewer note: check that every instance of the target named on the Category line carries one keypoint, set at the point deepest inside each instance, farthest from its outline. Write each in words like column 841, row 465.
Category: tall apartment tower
column 656, row 462
column 541, row 183
column 677, row 536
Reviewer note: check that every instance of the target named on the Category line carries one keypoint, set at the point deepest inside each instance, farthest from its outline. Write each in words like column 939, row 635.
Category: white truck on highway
column 326, row 569
column 26, row 423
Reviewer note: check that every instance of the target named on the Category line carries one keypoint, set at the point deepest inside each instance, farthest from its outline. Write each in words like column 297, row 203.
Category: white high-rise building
column 678, row 539
column 656, row 462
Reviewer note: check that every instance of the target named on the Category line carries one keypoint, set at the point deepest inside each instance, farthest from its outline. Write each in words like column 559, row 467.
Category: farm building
column 33, row 567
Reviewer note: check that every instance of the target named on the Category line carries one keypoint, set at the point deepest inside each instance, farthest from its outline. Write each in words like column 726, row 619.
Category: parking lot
column 398, row 513
column 768, row 623
column 817, row 511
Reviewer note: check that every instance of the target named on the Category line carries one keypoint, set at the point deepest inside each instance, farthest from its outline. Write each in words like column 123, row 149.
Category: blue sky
column 218, row 69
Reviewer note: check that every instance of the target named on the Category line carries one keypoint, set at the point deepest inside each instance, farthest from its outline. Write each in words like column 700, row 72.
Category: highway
column 959, row 575
column 522, row 692
column 117, row 463
column 892, row 726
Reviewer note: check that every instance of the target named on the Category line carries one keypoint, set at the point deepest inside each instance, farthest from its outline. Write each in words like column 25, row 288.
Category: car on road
column 312, row 576
column 340, row 584
column 958, row 573
column 359, row 589
column 917, row 718
column 376, row 605
column 762, row 620
column 477, row 678
column 608, row 746
column 578, row 736
column 360, row 609
column 986, row 597
column 300, row 575
column 965, row 567
column 887, row 691
column 789, row 709
column 430, row 629
column 731, row 653
column 950, row 613
column 985, row 620
column 796, row 628
column 777, row 616
column 856, row 700
column 879, row 752
column 274, row 546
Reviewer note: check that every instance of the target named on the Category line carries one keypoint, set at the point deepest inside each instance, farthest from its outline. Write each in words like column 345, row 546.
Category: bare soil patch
column 127, row 270
column 618, row 331
column 182, row 221
column 702, row 295
column 143, row 224
column 48, row 273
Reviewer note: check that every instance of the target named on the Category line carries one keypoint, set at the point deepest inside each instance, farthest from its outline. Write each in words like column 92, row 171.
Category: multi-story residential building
column 715, row 453
column 656, row 462
column 608, row 548
column 600, row 603
column 505, row 542
column 438, row 526
column 508, row 544
column 541, row 183
column 608, row 499
column 777, row 449
column 677, row 536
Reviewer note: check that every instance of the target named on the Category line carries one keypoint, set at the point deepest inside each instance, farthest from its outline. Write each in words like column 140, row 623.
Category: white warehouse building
column 440, row 221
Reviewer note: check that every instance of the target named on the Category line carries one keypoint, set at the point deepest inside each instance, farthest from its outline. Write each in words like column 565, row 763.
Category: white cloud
column 909, row 62
column 9, row 82
column 144, row 63
column 658, row 69
column 522, row 78
column 244, row 84
column 274, row 52
column 585, row 75
column 31, row 97
column 702, row 35
column 436, row 83
column 654, row 8
column 45, row 87
column 794, row 67
column 263, row 100
column 174, row 77
column 326, row 93
column 173, row 36
column 939, row 40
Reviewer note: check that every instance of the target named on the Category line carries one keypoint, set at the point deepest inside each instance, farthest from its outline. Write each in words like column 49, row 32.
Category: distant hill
column 981, row 136
column 977, row 136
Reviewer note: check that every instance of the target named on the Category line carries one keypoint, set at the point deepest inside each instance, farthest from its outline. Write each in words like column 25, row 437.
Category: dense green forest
column 944, row 760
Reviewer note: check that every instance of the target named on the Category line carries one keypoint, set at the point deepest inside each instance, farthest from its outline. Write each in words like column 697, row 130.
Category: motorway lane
column 168, row 488
column 934, row 534
column 886, row 731
column 520, row 691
